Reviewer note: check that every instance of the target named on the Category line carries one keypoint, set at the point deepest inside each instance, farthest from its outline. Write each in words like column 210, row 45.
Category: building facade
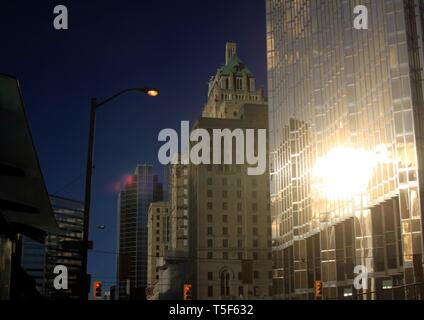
column 62, row 249
column 158, row 227
column 346, row 147
column 230, row 235
column 140, row 190
column 179, row 205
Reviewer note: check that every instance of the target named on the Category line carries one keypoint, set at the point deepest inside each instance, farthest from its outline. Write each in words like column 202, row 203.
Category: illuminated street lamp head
column 151, row 92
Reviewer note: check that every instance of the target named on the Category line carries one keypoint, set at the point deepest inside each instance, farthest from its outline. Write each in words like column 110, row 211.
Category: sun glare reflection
column 345, row 172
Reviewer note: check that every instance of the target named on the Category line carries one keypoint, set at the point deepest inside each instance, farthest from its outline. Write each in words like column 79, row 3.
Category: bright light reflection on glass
column 345, row 172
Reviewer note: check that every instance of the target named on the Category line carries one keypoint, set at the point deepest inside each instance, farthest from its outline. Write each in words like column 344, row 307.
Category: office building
column 346, row 147
column 59, row 249
column 140, row 190
column 158, row 227
column 179, row 189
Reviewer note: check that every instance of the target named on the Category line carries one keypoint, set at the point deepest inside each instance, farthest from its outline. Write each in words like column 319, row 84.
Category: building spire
column 230, row 51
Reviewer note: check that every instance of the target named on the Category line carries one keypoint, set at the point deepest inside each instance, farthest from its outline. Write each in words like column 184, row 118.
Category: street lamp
column 95, row 105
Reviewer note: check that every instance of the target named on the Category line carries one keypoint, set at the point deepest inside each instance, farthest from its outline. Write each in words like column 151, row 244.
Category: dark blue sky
column 111, row 45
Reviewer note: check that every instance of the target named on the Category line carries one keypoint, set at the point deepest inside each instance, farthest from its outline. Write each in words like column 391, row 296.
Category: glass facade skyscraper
column 140, row 189
column 346, row 146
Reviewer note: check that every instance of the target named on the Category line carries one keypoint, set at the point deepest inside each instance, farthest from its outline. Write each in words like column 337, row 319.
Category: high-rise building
column 64, row 247
column 346, row 147
column 59, row 249
column 179, row 189
column 158, row 227
column 140, row 190
column 230, row 237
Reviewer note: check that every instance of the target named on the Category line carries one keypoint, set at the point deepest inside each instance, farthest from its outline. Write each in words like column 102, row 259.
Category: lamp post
column 95, row 105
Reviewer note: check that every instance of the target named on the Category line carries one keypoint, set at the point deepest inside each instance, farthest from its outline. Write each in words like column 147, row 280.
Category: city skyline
column 249, row 150
column 178, row 53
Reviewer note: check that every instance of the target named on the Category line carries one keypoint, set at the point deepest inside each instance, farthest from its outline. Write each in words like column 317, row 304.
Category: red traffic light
column 97, row 289
column 187, row 292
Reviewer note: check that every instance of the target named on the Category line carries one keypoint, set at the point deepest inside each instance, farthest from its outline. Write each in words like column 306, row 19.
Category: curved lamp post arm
column 148, row 91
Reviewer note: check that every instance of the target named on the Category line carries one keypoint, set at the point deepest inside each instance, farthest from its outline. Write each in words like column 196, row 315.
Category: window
column 256, row 291
column 255, row 256
column 210, row 276
column 225, row 284
column 210, row 291
column 240, row 255
column 225, row 231
column 224, row 206
column 239, row 183
column 210, row 243
column 210, row 218
column 240, row 219
column 210, row 231
column 210, row 181
column 225, row 218
column 225, row 243
column 254, row 182
column 225, row 255
column 210, row 255
column 254, row 207
column 241, row 291
column 238, row 194
column 239, row 231
column 210, row 194
column 255, row 219
column 255, row 231
column 254, row 195
column 255, row 243
column 239, row 206
column 256, row 274
column 210, row 206
column 225, row 194
column 224, row 181
column 239, row 83
column 240, row 244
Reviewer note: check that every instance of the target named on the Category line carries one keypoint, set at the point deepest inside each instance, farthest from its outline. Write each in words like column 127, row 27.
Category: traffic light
column 187, row 292
column 318, row 289
column 97, row 290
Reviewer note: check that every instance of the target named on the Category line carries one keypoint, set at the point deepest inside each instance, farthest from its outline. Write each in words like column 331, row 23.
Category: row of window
column 224, row 207
column 225, row 243
column 239, row 219
column 240, row 256
column 224, row 194
column 224, row 182
column 255, row 231
column 226, row 292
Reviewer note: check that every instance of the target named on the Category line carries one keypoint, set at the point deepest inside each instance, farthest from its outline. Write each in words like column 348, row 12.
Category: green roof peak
column 234, row 66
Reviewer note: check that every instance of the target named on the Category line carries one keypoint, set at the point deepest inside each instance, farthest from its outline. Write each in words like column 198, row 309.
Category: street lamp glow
column 152, row 92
